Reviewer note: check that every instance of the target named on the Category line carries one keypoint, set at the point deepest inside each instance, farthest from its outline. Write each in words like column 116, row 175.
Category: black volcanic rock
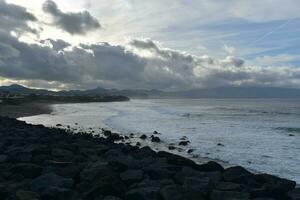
column 42, row 163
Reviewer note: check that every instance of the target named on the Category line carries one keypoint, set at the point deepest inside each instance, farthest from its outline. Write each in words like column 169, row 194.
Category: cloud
column 140, row 63
column 15, row 18
column 79, row 23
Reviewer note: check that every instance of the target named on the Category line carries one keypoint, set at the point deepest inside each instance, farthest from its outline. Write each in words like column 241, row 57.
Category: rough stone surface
column 38, row 163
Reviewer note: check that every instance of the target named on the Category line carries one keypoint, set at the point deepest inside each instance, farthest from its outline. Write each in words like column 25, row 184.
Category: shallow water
column 260, row 134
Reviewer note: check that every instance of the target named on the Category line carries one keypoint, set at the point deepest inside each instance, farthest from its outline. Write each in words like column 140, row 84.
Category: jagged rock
column 131, row 176
column 155, row 139
column 28, row 170
column 294, row 194
column 187, row 172
column 143, row 137
column 184, row 143
column 27, row 195
column 232, row 173
column 3, row 158
column 210, row 167
column 190, row 151
column 62, row 153
column 175, row 192
column 287, row 185
column 229, row 186
column 171, row 147
column 46, row 181
column 143, row 193
column 229, row 195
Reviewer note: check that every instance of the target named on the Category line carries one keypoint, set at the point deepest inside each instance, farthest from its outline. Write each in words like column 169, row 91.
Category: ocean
column 262, row 135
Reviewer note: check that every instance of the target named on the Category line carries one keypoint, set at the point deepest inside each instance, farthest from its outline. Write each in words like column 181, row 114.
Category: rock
column 46, row 181
column 287, row 185
column 229, row 186
column 190, row 151
column 27, row 195
column 62, row 153
column 143, row 137
column 210, row 167
column 143, row 193
column 294, row 194
column 229, row 195
column 111, row 198
column 232, row 173
column 184, row 143
column 155, row 139
column 171, row 147
column 28, row 170
column 156, row 133
column 3, row 158
column 131, row 176
column 187, row 172
column 183, row 138
column 106, row 187
column 220, row 144
column 106, row 133
column 59, row 125
column 204, row 185
column 269, row 191
column 58, row 193
column 175, row 192
column 177, row 160
column 138, row 144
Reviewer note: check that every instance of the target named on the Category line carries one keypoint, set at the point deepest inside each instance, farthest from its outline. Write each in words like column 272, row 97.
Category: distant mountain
column 19, row 89
column 221, row 92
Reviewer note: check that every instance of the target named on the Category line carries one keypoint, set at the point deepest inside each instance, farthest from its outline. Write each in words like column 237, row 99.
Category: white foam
column 245, row 128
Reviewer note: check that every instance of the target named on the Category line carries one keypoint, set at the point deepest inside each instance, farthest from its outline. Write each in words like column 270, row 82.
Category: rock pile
column 38, row 163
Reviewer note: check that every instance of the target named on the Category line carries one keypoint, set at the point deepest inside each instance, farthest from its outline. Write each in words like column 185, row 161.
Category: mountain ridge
column 220, row 92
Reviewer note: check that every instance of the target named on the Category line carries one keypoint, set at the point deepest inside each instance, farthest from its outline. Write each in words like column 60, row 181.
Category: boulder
column 132, row 176
column 210, row 167
column 3, row 158
column 155, row 139
column 229, row 186
column 143, row 137
column 233, row 173
column 62, row 153
column 294, row 194
column 28, row 170
column 48, row 180
column 177, row 160
column 27, row 195
column 175, row 192
column 184, row 143
column 280, row 182
column 229, row 195
column 143, row 193
column 187, row 172
column 270, row 191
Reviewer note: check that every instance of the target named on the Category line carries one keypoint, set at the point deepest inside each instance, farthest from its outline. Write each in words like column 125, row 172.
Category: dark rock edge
column 47, row 163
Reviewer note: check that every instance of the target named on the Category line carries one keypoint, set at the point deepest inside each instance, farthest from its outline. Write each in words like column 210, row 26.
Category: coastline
column 49, row 163
column 24, row 110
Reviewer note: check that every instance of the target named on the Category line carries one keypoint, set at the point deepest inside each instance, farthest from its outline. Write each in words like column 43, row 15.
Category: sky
column 159, row 44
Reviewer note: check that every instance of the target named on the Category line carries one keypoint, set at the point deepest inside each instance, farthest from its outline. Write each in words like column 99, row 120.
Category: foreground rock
column 38, row 163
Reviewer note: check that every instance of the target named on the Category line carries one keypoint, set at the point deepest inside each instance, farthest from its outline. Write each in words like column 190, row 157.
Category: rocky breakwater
column 49, row 164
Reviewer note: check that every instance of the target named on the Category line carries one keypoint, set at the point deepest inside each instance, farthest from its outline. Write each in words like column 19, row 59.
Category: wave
column 289, row 129
column 256, row 111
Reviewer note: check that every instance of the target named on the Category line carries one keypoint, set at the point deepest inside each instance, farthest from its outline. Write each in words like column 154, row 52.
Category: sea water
column 260, row 134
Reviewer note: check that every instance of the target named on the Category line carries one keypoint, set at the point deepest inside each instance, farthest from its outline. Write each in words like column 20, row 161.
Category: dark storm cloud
column 15, row 18
column 71, row 22
column 138, row 64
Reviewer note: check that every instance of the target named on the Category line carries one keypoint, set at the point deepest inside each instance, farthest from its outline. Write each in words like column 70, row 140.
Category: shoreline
column 25, row 109
column 49, row 163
